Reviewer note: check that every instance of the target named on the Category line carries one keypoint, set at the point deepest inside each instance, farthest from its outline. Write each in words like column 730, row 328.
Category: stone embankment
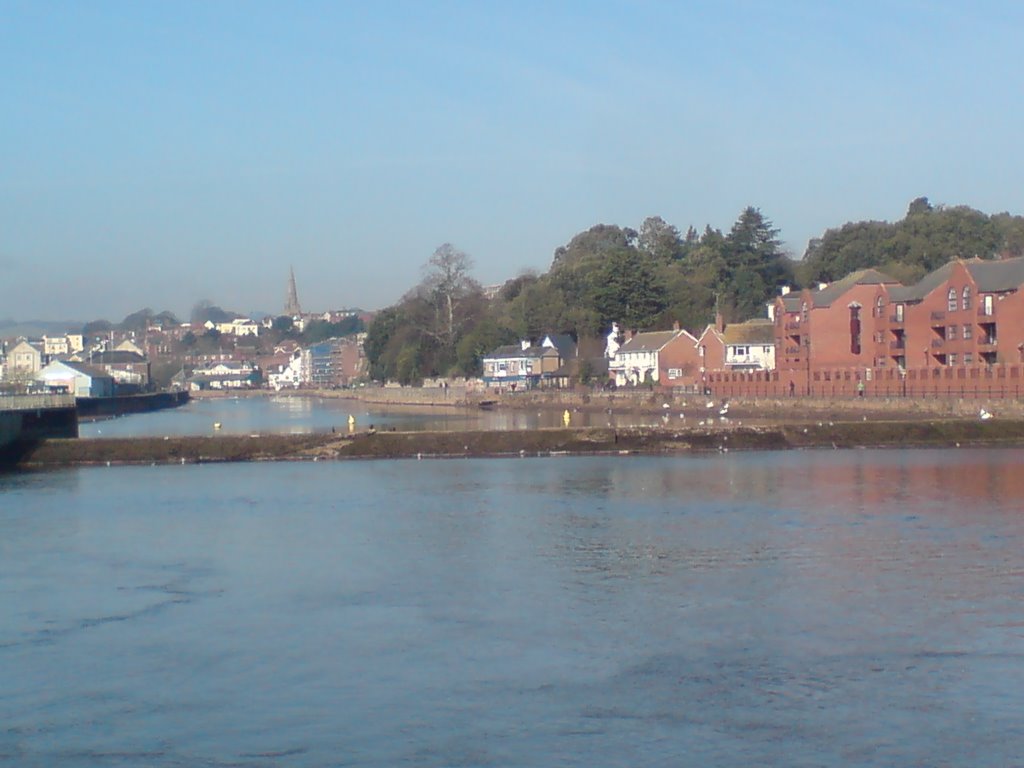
column 646, row 401
column 538, row 442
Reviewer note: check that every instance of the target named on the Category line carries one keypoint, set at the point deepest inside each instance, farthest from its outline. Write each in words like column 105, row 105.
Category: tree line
column 640, row 278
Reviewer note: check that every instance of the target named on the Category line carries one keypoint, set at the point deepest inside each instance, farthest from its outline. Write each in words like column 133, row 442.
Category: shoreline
column 646, row 402
column 590, row 441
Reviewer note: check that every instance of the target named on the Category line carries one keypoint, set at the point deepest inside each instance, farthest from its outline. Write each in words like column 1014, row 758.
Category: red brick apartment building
column 959, row 331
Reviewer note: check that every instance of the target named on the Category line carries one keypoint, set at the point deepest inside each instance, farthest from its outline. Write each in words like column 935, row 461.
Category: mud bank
column 539, row 442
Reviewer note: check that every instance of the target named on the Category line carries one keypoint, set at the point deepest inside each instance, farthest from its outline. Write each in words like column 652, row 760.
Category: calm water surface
column 803, row 608
column 302, row 415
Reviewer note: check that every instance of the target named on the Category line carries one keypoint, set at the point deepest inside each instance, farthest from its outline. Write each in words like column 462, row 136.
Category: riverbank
column 641, row 401
column 537, row 442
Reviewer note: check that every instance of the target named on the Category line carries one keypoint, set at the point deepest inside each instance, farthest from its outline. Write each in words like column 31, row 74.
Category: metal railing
column 35, row 402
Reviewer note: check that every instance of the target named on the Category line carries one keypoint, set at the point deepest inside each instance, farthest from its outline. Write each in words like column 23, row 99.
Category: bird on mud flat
column 984, row 415
column 710, row 404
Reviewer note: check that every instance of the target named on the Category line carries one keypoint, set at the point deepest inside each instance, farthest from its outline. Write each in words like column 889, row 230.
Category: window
column 968, row 358
column 855, row 329
column 951, row 302
column 675, row 373
column 968, row 331
column 951, row 359
column 899, row 313
column 740, row 351
column 951, row 332
column 966, row 297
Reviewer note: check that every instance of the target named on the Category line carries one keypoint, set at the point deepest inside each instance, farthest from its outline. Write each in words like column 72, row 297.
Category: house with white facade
column 645, row 358
column 296, row 373
column 226, row 374
column 76, row 379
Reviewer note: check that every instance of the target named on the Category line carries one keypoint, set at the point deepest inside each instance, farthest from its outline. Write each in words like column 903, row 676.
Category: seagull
column 711, row 404
column 665, row 406
column 984, row 415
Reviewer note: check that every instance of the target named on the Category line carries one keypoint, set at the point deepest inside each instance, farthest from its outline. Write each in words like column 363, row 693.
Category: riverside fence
column 995, row 382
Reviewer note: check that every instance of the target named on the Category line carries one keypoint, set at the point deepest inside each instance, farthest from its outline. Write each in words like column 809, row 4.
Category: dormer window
column 966, row 304
column 951, row 302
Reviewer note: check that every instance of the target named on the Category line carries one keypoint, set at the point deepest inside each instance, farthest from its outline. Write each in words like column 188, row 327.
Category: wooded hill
column 652, row 276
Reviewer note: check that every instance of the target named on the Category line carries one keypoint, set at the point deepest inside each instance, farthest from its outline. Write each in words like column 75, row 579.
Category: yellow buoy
column 566, row 417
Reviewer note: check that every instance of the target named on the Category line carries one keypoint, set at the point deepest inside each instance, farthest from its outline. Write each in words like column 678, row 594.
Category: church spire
column 291, row 303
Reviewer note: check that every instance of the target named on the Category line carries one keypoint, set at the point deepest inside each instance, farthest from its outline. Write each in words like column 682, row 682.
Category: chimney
column 675, row 325
column 719, row 322
column 632, row 333
column 822, row 286
column 784, row 290
column 525, row 344
column 771, row 310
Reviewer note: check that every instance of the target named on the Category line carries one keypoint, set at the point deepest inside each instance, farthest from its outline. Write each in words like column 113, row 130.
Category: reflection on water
column 801, row 608
column 302, row 415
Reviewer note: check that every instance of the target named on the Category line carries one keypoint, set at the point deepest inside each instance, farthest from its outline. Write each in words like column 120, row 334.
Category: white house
column 225, row 375
column 77, row 379
column 639, row 359
column 293, row 375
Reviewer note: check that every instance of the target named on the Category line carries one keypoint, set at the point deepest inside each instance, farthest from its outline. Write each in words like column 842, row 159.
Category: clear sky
column 157, row 153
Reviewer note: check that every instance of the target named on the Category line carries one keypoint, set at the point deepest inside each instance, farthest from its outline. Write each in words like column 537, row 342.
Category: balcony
column 793, row 325
column 987, row 341
column 984, row 311
column 792, row 350
column 938, row 343
column 938, row 315
column 897, row 318
column 899, row 344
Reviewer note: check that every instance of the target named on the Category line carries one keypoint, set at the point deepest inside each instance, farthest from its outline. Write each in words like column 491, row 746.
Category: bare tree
column 447, row 285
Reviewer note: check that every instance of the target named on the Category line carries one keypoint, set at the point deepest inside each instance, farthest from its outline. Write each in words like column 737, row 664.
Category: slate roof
column 990, row 277
column 997, row 276
column 651, row 341
column 792, row 302
column 833, row 291
column 755, row 331
column 516, row 350
column 116, row 357
column 563, row 343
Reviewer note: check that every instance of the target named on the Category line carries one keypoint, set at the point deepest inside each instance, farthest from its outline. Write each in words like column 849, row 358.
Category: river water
column 303, row 415
column 859, row 608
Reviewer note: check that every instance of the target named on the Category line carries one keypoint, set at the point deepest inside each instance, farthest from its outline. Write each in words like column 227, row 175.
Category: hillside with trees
column 923, row 240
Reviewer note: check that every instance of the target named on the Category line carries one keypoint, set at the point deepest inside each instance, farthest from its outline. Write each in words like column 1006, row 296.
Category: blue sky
column 157, row 153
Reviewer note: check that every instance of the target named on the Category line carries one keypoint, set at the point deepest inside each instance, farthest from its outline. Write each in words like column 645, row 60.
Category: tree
column 659, row 239
column 447, row 285
column 282, row 324
column 205, row 310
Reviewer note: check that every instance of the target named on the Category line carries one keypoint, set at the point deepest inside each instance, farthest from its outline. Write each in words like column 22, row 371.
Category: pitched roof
column 997, row 276
column 516, row 350
column 563, row 343
column 116, row 357
column 88, row 370
column 991, row 276
column 792, row 302
column 825, row 296
column 755, row 331
column 651, row 341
